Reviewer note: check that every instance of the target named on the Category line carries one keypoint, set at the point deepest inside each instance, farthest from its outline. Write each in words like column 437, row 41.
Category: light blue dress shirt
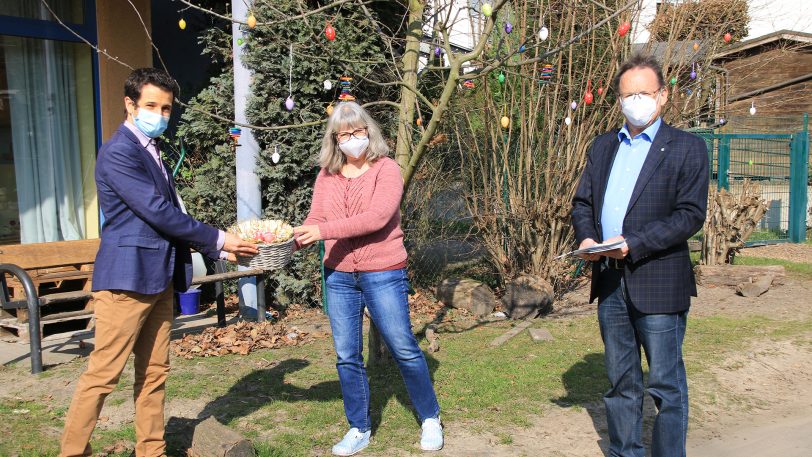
column 631, row 155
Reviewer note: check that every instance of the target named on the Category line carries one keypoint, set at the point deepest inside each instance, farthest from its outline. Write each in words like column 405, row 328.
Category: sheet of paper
column 600, row 247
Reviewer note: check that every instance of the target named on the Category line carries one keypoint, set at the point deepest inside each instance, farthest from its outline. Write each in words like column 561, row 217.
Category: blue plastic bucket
column 189, row 301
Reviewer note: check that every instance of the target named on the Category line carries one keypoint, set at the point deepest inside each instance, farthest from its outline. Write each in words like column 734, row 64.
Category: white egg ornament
column 328, row 84
column 568, row 120
column 544, row 32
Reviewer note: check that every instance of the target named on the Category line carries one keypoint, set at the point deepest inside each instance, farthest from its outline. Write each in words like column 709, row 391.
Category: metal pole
column 249, row 201
column 34, row 335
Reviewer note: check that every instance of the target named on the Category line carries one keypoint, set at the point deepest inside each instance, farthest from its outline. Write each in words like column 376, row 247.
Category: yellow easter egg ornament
column 182, row 24
column 505, row 122
column 487, row 9
column 252, row 21
column 329, row 109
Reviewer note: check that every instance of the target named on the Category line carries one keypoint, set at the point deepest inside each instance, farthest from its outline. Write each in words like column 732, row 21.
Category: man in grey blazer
column 647, row 186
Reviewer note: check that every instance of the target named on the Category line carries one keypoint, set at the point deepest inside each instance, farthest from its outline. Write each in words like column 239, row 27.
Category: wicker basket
column 270, row 257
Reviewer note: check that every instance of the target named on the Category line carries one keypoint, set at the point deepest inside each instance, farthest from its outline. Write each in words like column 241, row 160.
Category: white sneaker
column 352, row 443
column 432, row 436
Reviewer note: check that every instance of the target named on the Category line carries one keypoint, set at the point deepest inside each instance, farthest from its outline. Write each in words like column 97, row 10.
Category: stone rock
column 467, row 294
column 527, row 296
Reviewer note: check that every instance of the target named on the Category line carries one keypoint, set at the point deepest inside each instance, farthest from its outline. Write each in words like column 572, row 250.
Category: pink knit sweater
column 359, row 218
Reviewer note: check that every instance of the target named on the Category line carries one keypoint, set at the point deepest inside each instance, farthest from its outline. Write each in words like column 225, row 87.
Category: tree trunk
column 730, row 221
column 467, row 294
column 733, row 275
column 407, row 96
column 213, row 439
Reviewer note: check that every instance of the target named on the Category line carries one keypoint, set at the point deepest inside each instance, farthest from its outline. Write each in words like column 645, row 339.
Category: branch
column 100, row 51
column 280, row 21
column 149, row 37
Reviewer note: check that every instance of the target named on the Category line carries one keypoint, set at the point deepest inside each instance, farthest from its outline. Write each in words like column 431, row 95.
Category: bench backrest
column 48, row 255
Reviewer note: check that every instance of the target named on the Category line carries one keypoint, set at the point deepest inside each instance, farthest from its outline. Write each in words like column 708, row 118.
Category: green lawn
column 801, row 269
column 288, row 400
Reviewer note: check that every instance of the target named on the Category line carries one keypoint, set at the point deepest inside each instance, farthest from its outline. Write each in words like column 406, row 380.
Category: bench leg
column 260, row 298
column 219, row 295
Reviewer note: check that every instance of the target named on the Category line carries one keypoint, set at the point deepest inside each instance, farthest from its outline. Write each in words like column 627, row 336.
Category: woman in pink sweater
column 356, row 211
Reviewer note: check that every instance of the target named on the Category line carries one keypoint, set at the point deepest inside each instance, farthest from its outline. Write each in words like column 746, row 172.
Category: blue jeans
column 624, row 330
column 385, row 294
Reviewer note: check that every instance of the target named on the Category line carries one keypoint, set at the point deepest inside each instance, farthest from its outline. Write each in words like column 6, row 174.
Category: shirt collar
column 649, row 133
column 143, row 139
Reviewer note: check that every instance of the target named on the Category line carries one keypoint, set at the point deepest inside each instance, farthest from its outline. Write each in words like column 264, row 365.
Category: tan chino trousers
column 126, row 322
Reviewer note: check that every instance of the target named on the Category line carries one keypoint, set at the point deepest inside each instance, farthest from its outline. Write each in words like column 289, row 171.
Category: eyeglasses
column 628, row 97
column 358, row 133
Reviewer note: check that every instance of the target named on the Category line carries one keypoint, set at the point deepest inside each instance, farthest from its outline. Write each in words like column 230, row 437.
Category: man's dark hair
column 142, row 76
column 639, row 61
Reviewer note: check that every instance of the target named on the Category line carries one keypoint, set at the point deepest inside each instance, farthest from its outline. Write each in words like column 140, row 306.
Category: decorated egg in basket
column 274, row 240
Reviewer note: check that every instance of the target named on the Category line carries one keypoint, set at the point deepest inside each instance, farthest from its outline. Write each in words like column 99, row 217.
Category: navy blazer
column 667, row 207
column 145, row 237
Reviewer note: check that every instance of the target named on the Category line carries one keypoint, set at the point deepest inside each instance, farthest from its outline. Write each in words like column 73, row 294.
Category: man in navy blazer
column 143, row 258
column 645, row 185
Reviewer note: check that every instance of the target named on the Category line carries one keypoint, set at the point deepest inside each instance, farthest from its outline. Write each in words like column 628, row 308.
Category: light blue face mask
column 151, row 124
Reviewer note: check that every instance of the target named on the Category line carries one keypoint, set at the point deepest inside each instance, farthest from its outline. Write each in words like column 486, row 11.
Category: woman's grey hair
column 347, row 116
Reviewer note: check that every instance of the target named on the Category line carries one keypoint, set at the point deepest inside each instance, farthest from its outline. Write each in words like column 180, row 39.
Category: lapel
column 606, row 167
column 151, row 166
column 656, row 154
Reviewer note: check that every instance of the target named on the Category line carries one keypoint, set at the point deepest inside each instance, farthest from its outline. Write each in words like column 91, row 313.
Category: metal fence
column 773, row 151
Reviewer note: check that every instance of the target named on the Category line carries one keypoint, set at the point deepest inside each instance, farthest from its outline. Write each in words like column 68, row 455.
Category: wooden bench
column 59, row 275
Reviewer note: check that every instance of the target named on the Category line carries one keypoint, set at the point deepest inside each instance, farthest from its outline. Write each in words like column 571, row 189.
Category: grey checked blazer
column 667, row 207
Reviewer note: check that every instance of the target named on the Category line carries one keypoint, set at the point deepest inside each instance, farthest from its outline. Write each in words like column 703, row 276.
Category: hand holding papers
column 596, row 248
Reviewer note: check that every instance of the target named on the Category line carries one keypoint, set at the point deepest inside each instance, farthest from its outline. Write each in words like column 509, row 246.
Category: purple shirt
column 151, row 147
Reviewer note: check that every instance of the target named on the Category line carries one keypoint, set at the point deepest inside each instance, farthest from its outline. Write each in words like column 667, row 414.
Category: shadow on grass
column 586, row 383
column 250, row 393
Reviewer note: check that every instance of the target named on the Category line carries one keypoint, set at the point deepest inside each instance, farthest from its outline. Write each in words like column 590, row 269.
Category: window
column 47, row 123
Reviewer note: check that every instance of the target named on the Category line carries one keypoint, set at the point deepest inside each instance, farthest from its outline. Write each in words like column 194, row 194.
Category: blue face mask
column 151, row 124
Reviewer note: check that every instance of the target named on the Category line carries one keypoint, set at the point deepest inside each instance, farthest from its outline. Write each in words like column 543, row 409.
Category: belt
column 615, row 264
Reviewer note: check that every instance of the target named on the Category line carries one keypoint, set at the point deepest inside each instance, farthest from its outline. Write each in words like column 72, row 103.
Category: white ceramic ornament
column 275, row 157
column 567, row 120
column 328, row 84
column 543, row 33
column 753, row 108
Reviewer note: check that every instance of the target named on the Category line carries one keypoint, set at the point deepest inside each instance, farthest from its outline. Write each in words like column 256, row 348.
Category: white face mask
column 354, row 147
column 639, row 109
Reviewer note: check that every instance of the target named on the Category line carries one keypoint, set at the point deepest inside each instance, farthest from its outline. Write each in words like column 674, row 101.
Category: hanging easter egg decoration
column 673, row 80
column 419, row 121
column 722, row 121
column 328, row 84
column 522, row 48
column 289, row 104
column 750, row 162
column 588, row 97
column 330, row 32
column 234, row 133
column 275, row 155
column 624, row 29
column 487, row 9
column 182, row 24
column 468, row 84
column 727, row 37
column 600, row 91
column 346, row 83
column 240, row 41
column 696, row 46
column 505, row 122
column 508, row 27
column 544, row 32
column 329, row 109
column 752, row 108
column 688, row 92
column 252, row 22
column 438, row 51
column 546, row 74
column 568, row 120
column 693, row 71
column 573, row 105
column 501, row 78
